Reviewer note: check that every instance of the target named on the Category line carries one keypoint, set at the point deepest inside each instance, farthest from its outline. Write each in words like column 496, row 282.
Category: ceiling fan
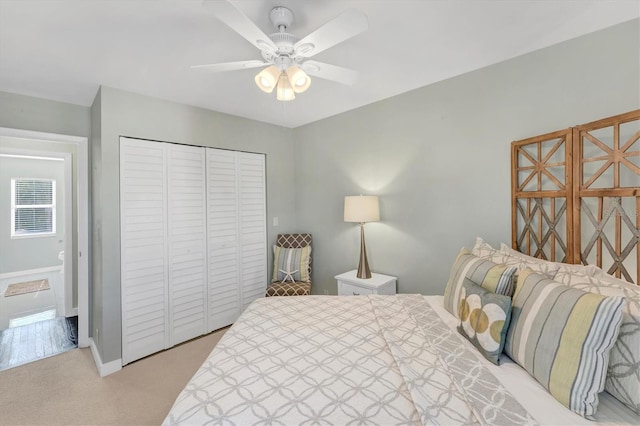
column 284, row 54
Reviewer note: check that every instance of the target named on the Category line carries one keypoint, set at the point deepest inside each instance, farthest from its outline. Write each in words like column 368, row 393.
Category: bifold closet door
column 236, row 232
column 253, row 227
column 163, row 246
column 193, row 241
column 187, row 255
column 223, row 237
column 143, row 248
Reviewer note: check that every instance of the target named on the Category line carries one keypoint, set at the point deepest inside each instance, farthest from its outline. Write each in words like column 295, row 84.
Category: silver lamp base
column 363, row 266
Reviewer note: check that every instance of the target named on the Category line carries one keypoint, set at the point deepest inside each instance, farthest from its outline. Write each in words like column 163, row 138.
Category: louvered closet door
column 223, row 238
column 143, row 248
column 253, row 237
column 187, row 257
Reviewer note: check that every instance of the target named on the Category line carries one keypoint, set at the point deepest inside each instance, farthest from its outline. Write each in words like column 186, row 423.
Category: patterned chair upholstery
column 289, row 288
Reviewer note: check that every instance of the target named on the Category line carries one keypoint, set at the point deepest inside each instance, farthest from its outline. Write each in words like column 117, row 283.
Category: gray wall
column 117, row 113
column 23, row 254
column 41, row 115
column 439, row 156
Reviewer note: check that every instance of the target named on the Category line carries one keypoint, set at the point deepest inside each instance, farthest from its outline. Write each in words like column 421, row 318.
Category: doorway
column 70, row 274
column 36, row 285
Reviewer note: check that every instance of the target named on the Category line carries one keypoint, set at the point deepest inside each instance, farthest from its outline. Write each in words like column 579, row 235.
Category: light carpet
column 66, row 389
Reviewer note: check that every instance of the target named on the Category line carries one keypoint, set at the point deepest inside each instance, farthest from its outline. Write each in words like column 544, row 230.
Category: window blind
column 33, row 206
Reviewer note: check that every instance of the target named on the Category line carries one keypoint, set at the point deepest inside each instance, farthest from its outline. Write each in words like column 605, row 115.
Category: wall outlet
column 275, row 221
column 326, row 291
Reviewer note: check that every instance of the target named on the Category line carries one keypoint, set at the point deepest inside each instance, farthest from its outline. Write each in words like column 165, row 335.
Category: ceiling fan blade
column 237, row 21
column 330, row 72
column 349, row 23
column 231, row 66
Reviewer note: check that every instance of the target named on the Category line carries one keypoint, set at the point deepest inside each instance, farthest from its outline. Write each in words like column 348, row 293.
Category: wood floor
column 20, row 345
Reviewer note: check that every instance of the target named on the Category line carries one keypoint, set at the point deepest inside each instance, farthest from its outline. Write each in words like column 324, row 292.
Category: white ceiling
column 64, row 49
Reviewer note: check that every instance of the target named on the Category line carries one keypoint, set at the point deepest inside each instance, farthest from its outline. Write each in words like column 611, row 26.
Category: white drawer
column 347, row 289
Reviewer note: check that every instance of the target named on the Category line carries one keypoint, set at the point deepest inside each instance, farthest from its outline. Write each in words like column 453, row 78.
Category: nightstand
column 350, row 285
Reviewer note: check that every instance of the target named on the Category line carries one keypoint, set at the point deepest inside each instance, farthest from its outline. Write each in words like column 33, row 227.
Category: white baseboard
column 103, row 369
column 29, row 272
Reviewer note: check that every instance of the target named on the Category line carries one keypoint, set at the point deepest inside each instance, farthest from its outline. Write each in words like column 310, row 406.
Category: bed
column 364, row 360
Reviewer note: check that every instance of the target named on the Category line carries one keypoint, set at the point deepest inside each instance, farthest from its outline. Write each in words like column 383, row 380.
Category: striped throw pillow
column 490, row 276
column 562, row 336
column 291, row 264
column 623, row 376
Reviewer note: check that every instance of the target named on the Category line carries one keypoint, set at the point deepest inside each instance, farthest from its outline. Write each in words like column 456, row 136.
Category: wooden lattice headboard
column 576, row 195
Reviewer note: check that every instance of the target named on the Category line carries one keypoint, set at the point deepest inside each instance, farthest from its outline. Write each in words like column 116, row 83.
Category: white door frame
column 82, row 167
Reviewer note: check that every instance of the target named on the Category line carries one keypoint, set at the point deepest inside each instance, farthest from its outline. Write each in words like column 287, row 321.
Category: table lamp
column 362, row 209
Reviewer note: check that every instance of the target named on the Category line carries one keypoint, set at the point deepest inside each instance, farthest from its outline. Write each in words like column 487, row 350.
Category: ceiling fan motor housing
column 287, row 53
column 281, row 17
column 284, row 42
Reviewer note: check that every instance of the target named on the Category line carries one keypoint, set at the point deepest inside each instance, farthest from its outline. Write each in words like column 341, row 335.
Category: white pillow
column 563, row 268
column 521, row 261
column 483, row 250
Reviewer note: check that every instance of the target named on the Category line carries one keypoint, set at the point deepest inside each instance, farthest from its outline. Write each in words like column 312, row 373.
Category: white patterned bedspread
column 342, row 361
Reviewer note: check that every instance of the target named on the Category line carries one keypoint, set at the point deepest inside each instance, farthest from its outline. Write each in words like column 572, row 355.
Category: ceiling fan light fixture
column 285, row 91
column 267, row 79
column 299, row 80
column 287, row 53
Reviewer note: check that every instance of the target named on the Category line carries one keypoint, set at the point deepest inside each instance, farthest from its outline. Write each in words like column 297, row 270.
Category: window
column 33, row 207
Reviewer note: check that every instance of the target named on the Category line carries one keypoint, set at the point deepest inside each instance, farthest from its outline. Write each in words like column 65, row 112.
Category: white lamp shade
column 284, row 91
column 267, row 79
column 300, row 81
column 361, row 208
